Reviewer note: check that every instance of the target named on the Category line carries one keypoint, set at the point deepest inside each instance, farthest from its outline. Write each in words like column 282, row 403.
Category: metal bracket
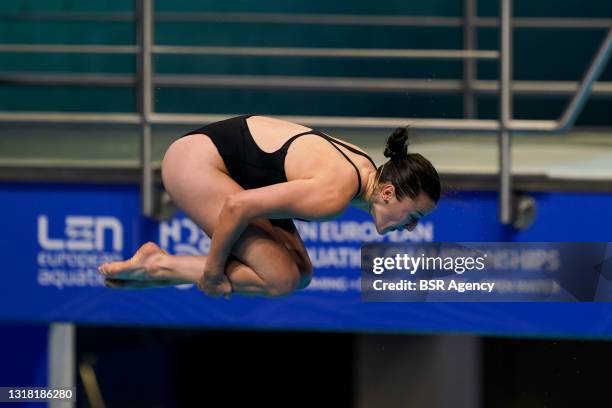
column 163, row 206
column 525, row 211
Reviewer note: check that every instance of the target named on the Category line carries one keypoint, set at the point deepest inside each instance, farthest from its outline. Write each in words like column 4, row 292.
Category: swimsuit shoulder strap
column 352, row 149
column 333, row 143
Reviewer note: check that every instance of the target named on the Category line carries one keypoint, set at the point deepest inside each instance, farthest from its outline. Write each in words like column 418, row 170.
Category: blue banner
column 55, row 236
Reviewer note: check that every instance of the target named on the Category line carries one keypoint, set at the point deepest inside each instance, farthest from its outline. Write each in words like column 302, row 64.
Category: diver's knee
column 285, row 283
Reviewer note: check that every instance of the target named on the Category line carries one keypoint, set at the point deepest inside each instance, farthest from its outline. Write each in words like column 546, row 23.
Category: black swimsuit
column 250, row 166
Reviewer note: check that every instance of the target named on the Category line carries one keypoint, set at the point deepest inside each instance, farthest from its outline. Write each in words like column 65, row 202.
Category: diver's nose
column 412, row 226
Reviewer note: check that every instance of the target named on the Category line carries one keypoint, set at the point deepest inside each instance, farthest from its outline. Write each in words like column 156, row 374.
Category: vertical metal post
column 469, row 64
column 145, row 76
column 62, row 359
column 505, row 105
column 448, row 367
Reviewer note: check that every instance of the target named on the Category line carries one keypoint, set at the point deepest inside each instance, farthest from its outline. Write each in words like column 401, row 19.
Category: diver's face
column 391, row 214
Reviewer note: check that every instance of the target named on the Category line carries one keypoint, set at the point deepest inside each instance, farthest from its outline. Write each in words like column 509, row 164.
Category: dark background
column 166, row 368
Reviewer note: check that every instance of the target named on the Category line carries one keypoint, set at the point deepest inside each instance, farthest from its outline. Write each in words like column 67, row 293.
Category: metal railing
column 470, row 86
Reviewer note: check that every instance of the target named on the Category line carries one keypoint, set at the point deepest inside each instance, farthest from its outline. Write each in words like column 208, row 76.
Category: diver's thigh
column 287, row 233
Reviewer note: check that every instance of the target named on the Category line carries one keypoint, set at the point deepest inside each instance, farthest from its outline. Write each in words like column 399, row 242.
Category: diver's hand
column 215, row 283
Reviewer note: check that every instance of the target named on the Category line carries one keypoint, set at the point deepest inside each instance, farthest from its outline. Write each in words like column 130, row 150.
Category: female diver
column 243, row 179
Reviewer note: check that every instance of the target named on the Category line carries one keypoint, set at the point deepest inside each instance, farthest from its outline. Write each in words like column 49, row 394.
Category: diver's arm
column 307, row 198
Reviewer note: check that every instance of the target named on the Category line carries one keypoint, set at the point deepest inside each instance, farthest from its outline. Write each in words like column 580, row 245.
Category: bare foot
column 139, row 267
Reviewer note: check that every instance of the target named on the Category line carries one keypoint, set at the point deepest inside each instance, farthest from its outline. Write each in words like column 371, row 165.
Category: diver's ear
column 387, row 192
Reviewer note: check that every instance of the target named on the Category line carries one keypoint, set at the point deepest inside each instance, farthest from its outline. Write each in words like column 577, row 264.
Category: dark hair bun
column 397, row 144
